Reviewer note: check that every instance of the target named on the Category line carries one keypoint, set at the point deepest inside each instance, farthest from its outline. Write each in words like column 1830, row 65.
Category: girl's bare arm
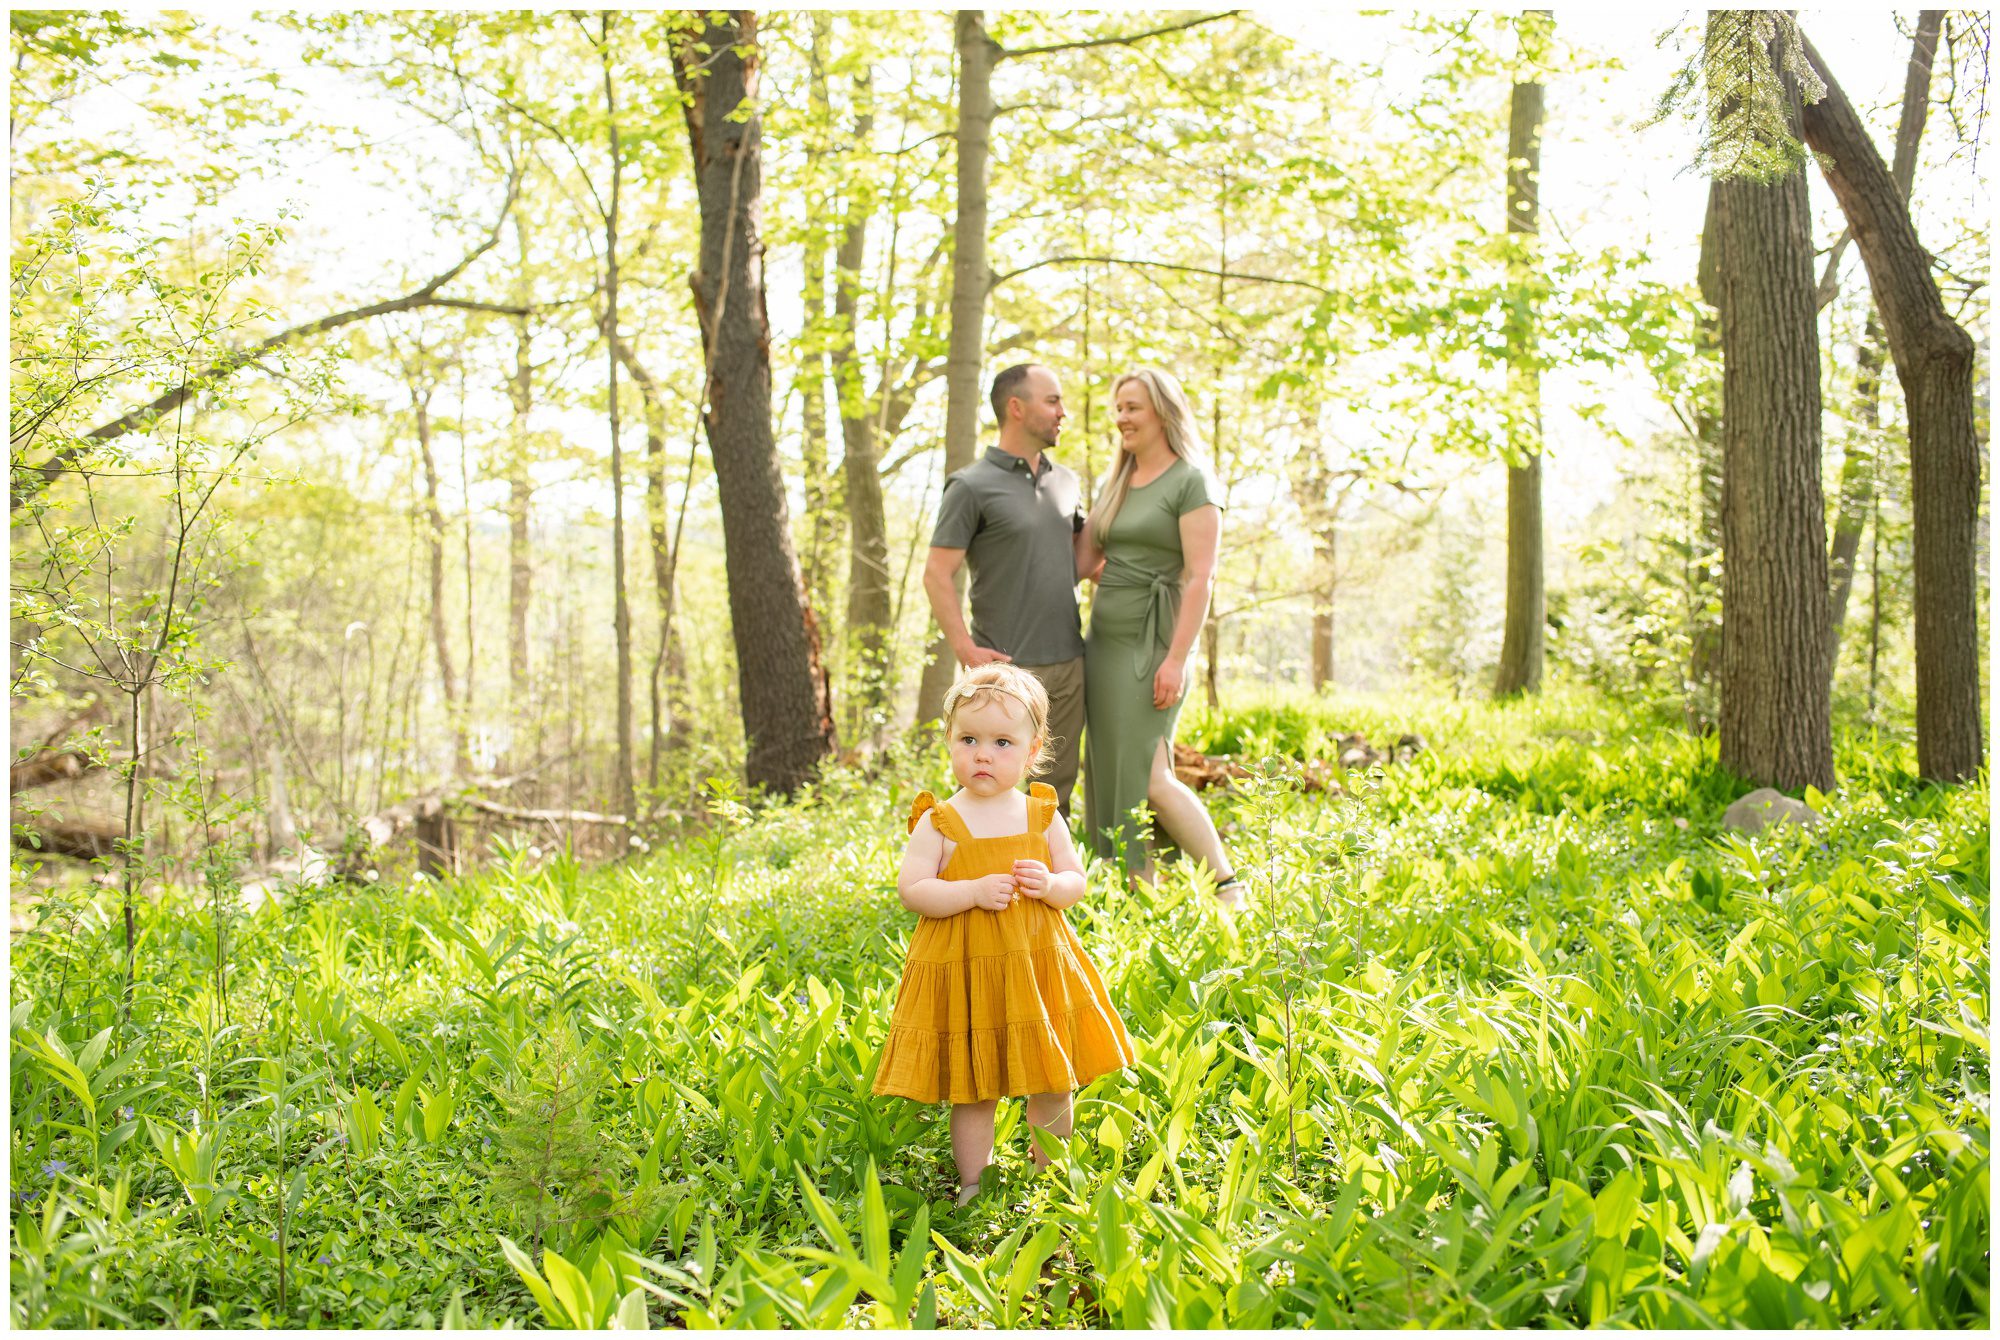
column 923, row 892
column 1066, row 885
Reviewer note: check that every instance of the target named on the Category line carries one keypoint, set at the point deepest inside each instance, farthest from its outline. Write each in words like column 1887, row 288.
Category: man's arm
column 939, row 570
column 1089, row 558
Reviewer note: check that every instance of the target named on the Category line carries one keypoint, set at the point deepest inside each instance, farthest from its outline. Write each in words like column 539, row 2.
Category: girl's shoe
column 966, row 1193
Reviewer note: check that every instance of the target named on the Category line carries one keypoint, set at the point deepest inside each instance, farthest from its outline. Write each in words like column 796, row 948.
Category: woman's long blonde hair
column 1170, row 402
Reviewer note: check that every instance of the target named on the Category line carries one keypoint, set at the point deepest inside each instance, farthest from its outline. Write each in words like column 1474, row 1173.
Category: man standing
column 1015, row 514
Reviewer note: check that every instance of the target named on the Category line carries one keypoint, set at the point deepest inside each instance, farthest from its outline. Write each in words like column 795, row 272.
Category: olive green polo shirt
column 1018, row 532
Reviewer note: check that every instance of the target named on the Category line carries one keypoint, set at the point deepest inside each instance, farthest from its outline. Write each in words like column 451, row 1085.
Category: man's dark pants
column 1064, row 681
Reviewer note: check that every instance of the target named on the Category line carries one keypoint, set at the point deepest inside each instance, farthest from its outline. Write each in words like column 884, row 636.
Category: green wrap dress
column 1131, row 626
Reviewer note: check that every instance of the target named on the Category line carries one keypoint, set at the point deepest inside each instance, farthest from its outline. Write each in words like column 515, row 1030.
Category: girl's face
column 993, row 745
column 1138, row 422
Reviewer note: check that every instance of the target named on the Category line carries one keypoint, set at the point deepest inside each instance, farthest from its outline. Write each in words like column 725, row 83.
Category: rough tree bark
column 1520, row 669
column 1775, row 725
column 1934, row 363
column 787, row 712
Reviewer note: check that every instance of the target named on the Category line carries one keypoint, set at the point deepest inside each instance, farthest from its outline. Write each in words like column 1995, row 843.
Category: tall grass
column 1514, row 1034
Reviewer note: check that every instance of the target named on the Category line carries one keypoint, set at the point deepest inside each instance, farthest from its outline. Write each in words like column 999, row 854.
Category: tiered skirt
column 995, row 1004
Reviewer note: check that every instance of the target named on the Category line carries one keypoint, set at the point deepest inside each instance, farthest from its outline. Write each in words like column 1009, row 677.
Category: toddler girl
column 997, row 997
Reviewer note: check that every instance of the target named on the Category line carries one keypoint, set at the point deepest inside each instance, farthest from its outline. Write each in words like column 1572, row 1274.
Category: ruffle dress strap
column 1044, row 796
column 948, row 823
column 943, row 817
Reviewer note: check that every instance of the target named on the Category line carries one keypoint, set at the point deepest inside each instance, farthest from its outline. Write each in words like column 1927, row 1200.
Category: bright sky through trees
column 1609, row 179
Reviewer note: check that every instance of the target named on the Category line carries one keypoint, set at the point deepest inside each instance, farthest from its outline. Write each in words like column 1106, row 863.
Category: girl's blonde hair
column 997, row 679
column 1170, row 402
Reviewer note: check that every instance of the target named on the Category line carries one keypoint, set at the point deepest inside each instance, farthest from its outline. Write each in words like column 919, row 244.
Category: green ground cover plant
column 1514, row 1034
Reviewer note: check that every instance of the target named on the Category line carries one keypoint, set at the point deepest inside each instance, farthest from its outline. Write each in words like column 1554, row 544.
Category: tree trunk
column 970, row 279
column 132, row 850
column 1775, row 726
column 434, row 543
column 655, row 410
column 1857, row 469
column 465, row 540
column 813, row 366
column 1857, row 487
column 1520, row 669
column 869, row 598
column 621, row 613
column 281, row 829
column 1325, row 537
column 520, row 492
column 787, row 713
column 1934, row 362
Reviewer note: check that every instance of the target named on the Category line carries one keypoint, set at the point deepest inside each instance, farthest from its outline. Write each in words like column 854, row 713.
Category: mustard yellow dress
column 994, row 1004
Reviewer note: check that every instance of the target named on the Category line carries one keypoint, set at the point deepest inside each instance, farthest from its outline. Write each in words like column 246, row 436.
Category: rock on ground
column 1766, row 806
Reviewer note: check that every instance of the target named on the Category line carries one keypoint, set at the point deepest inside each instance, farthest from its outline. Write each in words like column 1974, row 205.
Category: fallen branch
column 1199, row 771
column 485, row 806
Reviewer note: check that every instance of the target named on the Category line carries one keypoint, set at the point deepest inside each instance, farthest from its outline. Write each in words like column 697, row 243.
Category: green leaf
column 1027, row 1265
column 1617, row 1206
column 829, row 1223
column 874, row 1225
column 386, row 1039
column 631, row 1315
column 533, row 1279
column 910, row 1265
column 93, row 1052
column 572, row 1291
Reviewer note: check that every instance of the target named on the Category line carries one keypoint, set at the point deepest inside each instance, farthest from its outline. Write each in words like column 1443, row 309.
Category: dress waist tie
column 1163, row 606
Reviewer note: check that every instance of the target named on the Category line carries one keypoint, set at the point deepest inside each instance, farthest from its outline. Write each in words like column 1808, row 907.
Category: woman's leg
column 1050, row 1112
column 1183, row 815
column 971, row 1143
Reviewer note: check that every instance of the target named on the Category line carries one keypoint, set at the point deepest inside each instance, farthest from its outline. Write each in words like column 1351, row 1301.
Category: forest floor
column 1515, row 1034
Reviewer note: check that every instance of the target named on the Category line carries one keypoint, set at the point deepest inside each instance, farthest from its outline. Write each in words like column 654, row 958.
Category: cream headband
column 959, row 697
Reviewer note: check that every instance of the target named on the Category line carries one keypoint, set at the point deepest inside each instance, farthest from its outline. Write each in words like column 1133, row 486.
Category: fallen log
column 46, row 768
column 79, row 841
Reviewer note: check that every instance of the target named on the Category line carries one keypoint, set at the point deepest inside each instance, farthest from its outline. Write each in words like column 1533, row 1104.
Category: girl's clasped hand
column 996, row 893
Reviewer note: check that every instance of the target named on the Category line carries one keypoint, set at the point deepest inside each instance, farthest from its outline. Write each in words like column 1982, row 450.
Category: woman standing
column 1151, row 544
